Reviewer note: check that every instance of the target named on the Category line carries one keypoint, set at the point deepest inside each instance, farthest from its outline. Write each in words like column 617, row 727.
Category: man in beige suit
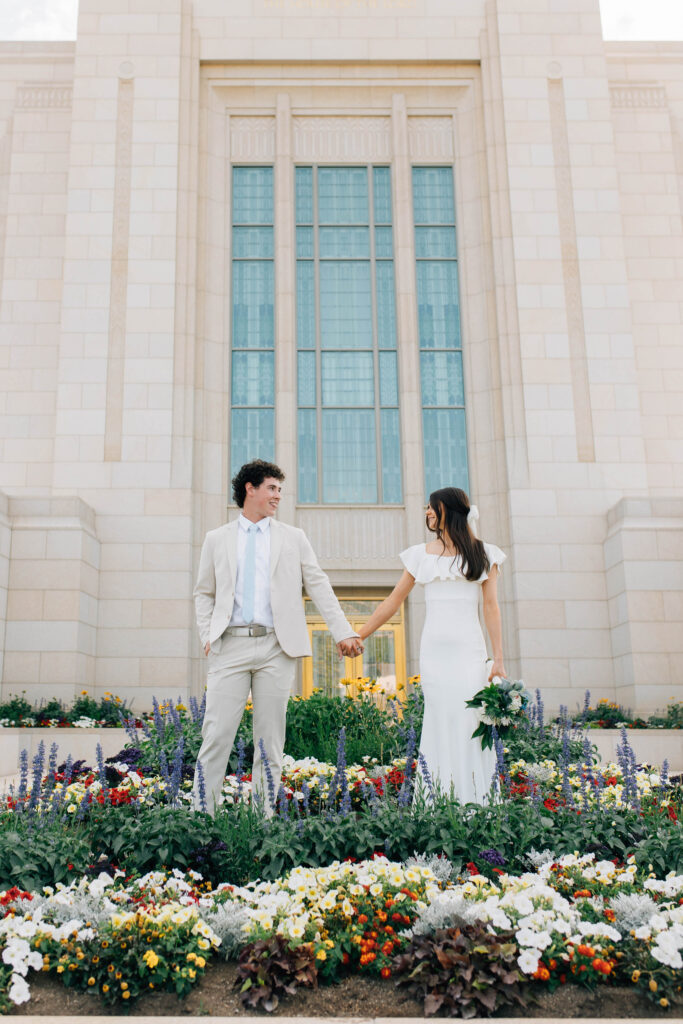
column 251, row 621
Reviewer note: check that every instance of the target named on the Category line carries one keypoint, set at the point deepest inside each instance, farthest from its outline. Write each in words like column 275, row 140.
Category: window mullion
column 318, row 349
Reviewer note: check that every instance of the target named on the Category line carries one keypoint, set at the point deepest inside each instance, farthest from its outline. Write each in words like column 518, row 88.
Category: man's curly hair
column 253, row 473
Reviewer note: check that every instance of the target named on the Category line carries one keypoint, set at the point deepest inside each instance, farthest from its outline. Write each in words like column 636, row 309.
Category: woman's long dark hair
column 451, row 506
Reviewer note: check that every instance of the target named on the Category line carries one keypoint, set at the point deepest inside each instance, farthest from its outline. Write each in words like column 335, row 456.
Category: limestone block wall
column 5, row 540
column 115, row 158
column 51, row 630
column 646, row 92
column 35, row 119
column 644, row 571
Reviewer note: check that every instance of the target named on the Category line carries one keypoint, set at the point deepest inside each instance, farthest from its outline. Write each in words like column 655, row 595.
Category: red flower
column 472, row 868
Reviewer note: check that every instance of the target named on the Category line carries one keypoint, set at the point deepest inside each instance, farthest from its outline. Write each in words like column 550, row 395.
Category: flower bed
column 574, row 920
column 361, row 868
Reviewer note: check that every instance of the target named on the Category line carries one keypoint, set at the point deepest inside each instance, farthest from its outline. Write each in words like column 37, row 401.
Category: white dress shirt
column 263, row 613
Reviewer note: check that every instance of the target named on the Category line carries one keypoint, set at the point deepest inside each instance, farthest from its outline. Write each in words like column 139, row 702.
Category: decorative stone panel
column 252, row 138
column 342, row 138
column 50, row 636
column 44, row 95
column 637, row 95
column 644, row 567
column 430, row 138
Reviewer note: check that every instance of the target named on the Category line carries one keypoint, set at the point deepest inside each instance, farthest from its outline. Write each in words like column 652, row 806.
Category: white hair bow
column 473, row 514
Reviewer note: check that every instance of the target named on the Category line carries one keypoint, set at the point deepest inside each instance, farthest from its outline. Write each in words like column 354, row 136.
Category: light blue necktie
column 249, row 574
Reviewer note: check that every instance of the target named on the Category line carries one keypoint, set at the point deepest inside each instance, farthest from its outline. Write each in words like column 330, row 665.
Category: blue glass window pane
column 308, row 456
column 388, row 379
column 349, row 462
column 252, row 243
column 252, row 436
column 433, row 195
column 381, row 181
column 304, row 195
column 437, row 243
column 386, row 305
column 252, row 195
column 348, row 379
column 345, row 305
column 338, row 243
column 253, row 378
column 306, row 378
column 305, row 305
column 392, row 491
column 253, row 289
column 445, row 448
column 384, row 244
column 304, row 243
column 342, row 195
column 437, row 304
column 441, row 374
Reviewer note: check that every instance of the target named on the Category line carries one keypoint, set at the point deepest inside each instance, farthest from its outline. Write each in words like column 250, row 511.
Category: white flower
column 19, row 991
column 528, row 960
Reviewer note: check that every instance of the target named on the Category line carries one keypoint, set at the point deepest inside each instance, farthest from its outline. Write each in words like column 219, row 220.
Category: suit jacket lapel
column 231, row 539
column 275, row 545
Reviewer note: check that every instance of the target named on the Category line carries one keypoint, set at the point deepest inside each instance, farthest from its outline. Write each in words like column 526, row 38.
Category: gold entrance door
column 383, row 660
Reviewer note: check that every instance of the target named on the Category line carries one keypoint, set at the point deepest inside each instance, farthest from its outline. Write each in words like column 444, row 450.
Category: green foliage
column 313, row 729
column 271, row 968
column 15, row 709
column 464, row 972
column 533, row 744
column 31, row 858
column 122, row 962
column 19, row 712
column 671, row 719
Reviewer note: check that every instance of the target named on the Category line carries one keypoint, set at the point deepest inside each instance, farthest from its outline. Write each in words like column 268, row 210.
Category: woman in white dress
column 454, row 568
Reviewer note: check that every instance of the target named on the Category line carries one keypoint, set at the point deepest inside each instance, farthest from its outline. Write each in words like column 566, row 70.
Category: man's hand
column 207, row 648
column 350, row 648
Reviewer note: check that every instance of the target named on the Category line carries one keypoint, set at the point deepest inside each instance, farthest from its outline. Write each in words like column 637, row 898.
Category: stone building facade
column 139, row 359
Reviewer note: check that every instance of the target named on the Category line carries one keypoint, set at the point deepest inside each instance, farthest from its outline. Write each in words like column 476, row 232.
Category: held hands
column 207, row 648
column 497, row 669
column 350, row 648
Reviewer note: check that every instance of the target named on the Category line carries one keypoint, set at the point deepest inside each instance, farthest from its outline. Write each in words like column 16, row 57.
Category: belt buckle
column 257, row 630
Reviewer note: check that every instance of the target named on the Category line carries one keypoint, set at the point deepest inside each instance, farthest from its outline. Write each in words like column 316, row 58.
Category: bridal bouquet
column 502, row 705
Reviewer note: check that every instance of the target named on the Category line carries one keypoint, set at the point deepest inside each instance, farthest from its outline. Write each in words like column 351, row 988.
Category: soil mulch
column 355, row 996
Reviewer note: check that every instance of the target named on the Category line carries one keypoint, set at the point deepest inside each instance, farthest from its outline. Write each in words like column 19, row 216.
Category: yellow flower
column 653, row 985
column 60, row 969
column 124, row 985
column 200, row 961
column 105, row 988
column 150, row 958
column 125, row 995
column 664, row 1002
column 191, row 971
column 321, row 955
column 91, row 981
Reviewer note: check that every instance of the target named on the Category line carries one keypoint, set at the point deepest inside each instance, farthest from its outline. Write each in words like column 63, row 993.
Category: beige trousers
column 238, row 664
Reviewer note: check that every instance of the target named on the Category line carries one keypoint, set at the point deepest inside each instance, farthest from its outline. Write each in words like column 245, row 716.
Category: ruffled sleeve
column 412, row 558
column 495, row 555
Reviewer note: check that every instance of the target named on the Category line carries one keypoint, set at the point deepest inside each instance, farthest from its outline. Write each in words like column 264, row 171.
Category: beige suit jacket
column 293, row 565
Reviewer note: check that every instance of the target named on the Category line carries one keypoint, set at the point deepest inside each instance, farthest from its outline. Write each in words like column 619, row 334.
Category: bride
column 453, row 567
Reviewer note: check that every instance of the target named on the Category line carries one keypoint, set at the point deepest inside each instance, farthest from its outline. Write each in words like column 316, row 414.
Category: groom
column 251, row 622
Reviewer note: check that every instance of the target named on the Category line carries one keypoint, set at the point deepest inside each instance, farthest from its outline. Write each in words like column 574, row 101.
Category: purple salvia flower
column 493, row 857
column 426, row 775
column 269, row 775
column 23, row 777
column 101, row 773
column 664, row 773
column 282, row 802
column 201, row 786
column 540, row 710
column 159, row 726
column 177, row 771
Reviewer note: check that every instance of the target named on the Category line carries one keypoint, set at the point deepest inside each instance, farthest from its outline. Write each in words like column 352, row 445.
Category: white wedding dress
column 452, row 669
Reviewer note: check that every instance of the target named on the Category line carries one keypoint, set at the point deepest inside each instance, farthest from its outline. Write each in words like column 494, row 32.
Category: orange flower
column 385, row 972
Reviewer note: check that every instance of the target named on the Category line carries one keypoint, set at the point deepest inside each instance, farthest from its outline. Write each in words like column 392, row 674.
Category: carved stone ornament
column 430, row 138
column 252, row 138
column 342, row 138
column 44, row 95
column 636, row 95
